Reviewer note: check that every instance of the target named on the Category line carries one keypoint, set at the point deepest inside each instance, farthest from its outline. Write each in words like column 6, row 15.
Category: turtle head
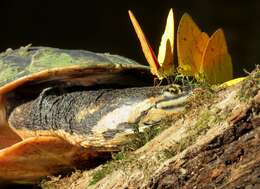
column 171, row 101
column 155, row 106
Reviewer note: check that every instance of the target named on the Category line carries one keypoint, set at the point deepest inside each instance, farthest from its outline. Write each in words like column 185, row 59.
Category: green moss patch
column 48, row 59
column 250, row 86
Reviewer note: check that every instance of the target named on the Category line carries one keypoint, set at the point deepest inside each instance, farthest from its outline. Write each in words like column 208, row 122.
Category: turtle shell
column 34, row 65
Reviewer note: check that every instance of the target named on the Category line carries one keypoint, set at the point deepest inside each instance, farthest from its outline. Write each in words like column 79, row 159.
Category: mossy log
column 214, row 144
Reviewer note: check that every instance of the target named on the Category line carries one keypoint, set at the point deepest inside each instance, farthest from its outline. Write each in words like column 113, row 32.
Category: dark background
column 104, row 26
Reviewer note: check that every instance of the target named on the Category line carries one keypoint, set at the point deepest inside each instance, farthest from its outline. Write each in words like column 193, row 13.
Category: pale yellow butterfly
column 162, row 67
column 205, row 58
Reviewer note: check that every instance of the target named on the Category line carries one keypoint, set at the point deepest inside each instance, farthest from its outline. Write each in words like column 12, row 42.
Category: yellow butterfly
column 162, row 66
column 206, row 58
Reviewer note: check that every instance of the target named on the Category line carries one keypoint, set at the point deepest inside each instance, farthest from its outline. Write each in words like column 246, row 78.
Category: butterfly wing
column 165, row 54
column 217, row 64
column 191, row 44
column 147, row 50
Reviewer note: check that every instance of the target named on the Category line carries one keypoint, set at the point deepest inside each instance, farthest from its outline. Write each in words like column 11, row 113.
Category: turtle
column 64, row 109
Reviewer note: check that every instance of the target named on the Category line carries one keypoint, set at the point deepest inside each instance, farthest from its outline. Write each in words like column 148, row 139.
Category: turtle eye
column 173, row 89
column 173, row 97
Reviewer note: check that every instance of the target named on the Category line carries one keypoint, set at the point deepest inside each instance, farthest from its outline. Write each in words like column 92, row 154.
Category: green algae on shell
column 29, row 65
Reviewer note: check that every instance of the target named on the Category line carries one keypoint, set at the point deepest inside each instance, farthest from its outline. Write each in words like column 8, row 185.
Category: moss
column 23, row 51
column 125, row 157
column 203, row 123
column 119, row 156
column 120, row 160
column 201, row 127
column 250, row 86
column 206, row 119
column 169, row 153
column 101, row 173
column 7, row 72
column 203, row 96
column 48, row 59
column 186, row 81
column 141, row 138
